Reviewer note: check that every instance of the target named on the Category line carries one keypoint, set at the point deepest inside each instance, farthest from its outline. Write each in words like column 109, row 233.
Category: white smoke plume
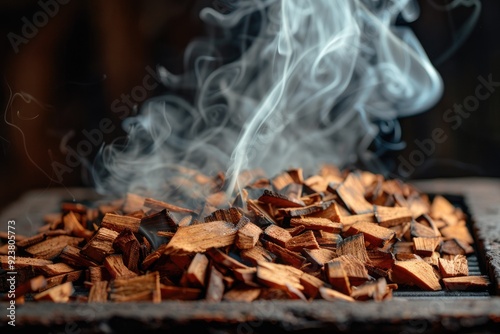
column 312, row 83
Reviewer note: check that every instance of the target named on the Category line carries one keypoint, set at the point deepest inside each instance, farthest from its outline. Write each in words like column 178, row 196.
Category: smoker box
column 407, row 312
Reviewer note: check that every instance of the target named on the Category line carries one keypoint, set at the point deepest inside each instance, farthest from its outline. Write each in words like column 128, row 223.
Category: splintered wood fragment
column 30, row 241
column 200, row 237
column 327, row 239
column 376, row 235
column 416, row 272
column 246, row 276
column 333, row 295
column 33, row 285
column 72, row 256
column 224, row 259
column 348, row 221
column 456, row 247
column 98, row 292
column 51, row 247
column 304, row 211
column 355, row 246
column 279, row 200
column 337, row 277
column 118, row 222
column 55, row 269
column 331, row 212
column 98, row 274
column 376, row 290
column 248, row 235
column 115, row 266
column 426, row 246
column 57, row 294
column 197, row 270
column 391, row 216
column 306, row 240
column 232, row 215
column 277, row 235
column 242, row 294
column 351, row 191
column 418, row 230
column 313, row 223
column 133, row 202
column 160, row 205
column 140, row 288
column 74, row 227
column 215, row 286
column 286, row 256
column 456, row 267
column 441, row 206
column 262, row 215
column 311, row 285
column 354, row 269
column 278, row 276
column 72, row 276
column 129, row 246
column 460, row 232
column 179, row 293
column 256, row 254
column 466, row 283
column 23, row 262
column 319, row 257
column 101, row 245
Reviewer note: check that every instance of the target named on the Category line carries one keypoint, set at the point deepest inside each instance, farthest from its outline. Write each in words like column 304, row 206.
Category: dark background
column 91, row 52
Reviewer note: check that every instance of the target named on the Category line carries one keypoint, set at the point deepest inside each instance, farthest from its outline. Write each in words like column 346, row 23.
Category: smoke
column 313, row 82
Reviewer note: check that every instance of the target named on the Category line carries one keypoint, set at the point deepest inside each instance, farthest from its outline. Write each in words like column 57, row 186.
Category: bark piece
column 57, row 294
column 51, row 247
column 98, row 292
column 101, row 245
column 118, row 222
column 456, row 267
column 198, row 238
column 416, row 272
column 313, row 223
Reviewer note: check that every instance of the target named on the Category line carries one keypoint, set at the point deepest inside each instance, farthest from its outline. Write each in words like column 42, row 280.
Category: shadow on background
column 91, row 61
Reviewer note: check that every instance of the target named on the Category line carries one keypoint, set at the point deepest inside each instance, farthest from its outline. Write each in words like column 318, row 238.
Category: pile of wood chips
column 338, row 235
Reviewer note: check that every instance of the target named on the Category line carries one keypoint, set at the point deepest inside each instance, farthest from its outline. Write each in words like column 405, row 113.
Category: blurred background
column 81, row 66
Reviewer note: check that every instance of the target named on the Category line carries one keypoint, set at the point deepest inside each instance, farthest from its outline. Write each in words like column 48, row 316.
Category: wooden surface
column 401, row 315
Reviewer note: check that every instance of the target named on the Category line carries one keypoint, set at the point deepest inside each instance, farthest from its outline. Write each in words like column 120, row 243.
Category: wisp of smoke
column 312, row 81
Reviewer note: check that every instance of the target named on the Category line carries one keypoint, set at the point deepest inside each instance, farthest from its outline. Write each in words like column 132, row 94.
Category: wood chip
column 58, row 294
column 466, row 283
column 417, row 272
column 458, row 266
